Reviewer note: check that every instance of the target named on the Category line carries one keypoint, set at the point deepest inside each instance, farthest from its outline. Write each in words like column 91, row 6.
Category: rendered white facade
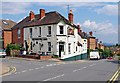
column 63, row 45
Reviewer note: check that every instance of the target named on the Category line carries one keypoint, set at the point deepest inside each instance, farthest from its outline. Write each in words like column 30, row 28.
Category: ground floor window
column 49, row 46
column 31, row 46
column 69, row 48
column 76, row 48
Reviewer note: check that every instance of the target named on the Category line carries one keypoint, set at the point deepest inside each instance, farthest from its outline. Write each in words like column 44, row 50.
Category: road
column 86, row 70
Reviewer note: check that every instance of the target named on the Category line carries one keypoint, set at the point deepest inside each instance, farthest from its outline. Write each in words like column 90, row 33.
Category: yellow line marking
column 12, row 71
column 114, row 76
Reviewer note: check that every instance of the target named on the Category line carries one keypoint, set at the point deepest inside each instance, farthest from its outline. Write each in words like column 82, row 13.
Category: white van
column 94, row 55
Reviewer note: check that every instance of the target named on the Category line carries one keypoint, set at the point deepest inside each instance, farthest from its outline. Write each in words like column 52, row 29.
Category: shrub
column 118, row 54
column 55, row 56
column 12, row 47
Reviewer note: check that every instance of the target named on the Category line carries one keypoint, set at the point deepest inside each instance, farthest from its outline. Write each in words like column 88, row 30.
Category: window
column 40, row 31
column 61, row 30
column 49, row 46
column 49, row 30
column 31, row 46
column 36, row 42
column 19, row 33
column 69, row 48
column 40, row 46
column 30, row 32
column 76, row 48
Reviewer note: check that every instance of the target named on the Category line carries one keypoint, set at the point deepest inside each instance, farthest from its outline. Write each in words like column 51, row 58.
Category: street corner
column 7, row 70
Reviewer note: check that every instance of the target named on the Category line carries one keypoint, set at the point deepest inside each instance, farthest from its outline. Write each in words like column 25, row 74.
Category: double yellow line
column 12, row 70
column 115, row 76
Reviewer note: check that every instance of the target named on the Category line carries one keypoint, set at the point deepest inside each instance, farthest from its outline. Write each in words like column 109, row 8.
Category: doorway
column 61, row 48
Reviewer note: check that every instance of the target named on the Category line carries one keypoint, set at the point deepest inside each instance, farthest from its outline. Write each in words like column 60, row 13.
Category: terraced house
column 51, row 33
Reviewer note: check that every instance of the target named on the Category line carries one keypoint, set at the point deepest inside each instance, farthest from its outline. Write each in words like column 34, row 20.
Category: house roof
column 50, row 18
column 6, row 24
column 85, row 35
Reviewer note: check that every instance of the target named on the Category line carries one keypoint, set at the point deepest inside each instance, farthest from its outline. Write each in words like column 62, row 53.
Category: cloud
column 71, row 4
column 108, row 10
column 14, row 7
column 101, row 28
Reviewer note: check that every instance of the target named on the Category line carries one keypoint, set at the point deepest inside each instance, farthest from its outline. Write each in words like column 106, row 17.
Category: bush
column 107, row 52
column 55, row 56
column 118, row 54
column 12, row 47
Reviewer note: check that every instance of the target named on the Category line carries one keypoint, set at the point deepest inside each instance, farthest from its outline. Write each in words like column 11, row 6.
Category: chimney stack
column 42, row 13
column 79, row 29
column 31, row 15
column 91, row 33
column 70, row 16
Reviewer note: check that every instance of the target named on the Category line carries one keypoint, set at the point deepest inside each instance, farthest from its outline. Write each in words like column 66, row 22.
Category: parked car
column 94, row 55
column 2, row 53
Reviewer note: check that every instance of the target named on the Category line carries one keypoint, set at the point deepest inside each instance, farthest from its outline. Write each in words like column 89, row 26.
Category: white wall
column 55, row 38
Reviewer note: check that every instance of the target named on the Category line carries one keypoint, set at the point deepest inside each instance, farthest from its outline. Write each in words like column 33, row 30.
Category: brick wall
column 15, row 39
column 7, row 37
column 14, row 36
column 91, row 43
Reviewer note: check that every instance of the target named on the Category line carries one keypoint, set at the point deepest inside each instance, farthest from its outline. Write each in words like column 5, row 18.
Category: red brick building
column 91, row 41
column 6, row 26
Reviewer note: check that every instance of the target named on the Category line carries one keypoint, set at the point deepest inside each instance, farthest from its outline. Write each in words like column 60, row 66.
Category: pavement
column 4, row 69
column 82, row 70
column 29, row 59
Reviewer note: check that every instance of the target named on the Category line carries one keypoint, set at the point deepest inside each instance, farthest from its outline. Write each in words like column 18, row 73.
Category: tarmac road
column 86, row 70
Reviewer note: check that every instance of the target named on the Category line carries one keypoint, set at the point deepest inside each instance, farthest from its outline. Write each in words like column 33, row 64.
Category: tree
column 106, row 52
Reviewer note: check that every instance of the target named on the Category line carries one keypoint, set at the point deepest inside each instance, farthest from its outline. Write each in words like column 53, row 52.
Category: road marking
column 42, row 67
column 114, row 77
column 84, row 67
column 24, row 70
column 13, row 69
column 17, row 72
column 74, row 70
column 79, row 69
column 36, row 68
column 50, row 64
column 54, row 77
column 47, row 65
column 31, row 69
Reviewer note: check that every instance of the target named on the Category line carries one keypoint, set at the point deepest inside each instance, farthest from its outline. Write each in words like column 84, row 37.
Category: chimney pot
column 42, row 13
column 79, row 29
column 90, row 33
column 31, row 15
column 70, row 16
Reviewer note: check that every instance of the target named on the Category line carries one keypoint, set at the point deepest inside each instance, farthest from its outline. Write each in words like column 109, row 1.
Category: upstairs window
column 19, row 33
column 30, row 32
column 61, row 30
column 69, row 49
column 40, row 31
column 49, row 30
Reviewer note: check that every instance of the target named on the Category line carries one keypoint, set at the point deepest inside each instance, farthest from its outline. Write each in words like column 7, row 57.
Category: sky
column 99, row 17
